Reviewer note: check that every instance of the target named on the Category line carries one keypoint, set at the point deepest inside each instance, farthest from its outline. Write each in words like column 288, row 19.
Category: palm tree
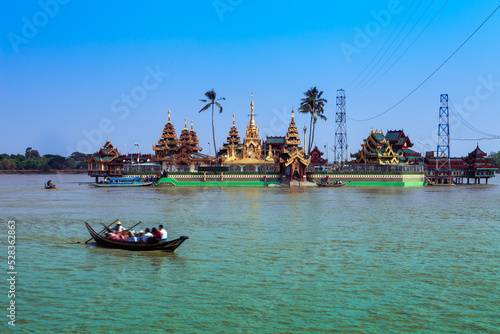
column 211, row 99
column 313, row 104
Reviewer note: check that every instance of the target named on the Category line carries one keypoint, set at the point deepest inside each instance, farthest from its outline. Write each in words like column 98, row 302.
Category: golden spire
column 233, row 121
column 185, row 124
column 252, row 120
column 168, row 115
column 293, row 115
column 192, row 125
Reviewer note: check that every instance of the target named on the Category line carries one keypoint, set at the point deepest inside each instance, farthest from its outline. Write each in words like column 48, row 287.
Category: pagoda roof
column 477, row 153
column 275, row 140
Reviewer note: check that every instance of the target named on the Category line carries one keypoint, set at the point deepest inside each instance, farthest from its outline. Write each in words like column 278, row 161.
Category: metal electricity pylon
column 341, row 132
column 443, row 168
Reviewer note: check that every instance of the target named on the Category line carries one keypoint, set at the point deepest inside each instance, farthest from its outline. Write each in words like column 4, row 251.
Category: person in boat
column 118, row 227
column 147, row 235
column 163, row 233
column 113, row 235
column 141, row 234
column 49, row 183
column 124, row 235
column 131, row 236
column 156, row 233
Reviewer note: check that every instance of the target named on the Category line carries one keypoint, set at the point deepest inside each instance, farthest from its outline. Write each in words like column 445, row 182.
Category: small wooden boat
column 50, row 185
column 135, row 246
column 332, row 184
column 124, row 182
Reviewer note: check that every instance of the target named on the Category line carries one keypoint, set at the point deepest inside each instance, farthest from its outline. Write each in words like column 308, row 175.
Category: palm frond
column 220, row 107
column 205, row 107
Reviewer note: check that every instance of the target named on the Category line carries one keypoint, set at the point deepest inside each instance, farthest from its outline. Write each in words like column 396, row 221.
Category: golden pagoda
column 252, row 148
column 167, row 144
column 233, row 149
column 293, row 159
column 377, row 150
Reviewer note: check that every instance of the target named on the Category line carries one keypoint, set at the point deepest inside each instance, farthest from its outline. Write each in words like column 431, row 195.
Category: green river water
column 258, row 260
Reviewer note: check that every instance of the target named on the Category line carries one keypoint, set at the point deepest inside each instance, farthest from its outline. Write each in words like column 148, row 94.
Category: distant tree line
column 495, row 157
column 32, row 160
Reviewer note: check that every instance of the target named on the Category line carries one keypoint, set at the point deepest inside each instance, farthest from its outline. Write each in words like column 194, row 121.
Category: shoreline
column 35, row 171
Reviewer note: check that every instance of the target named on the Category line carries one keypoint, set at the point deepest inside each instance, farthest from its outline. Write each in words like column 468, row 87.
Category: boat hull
column 169, row 246
column 141, row 184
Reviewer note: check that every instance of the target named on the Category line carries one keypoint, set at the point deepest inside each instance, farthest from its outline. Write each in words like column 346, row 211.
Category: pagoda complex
column 184, row 153
column 293, row 159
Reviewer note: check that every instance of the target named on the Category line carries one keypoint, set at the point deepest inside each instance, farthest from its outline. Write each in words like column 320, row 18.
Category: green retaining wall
column 373, row 180
column 216, row 182
column 353, row 180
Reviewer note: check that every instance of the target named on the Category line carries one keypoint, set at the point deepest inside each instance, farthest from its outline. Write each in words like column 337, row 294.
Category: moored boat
column 135, row 246
column 332, row 184
column 123, row 182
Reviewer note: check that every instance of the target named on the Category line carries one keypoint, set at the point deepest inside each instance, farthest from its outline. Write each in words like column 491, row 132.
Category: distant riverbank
column 35, row 171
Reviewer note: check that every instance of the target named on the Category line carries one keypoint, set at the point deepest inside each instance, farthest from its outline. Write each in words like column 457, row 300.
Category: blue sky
column 68, row 66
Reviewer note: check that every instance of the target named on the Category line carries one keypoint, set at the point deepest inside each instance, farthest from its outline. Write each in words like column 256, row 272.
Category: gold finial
column 168, row 115
column 252, row 120
column 234, row 124
column 293, row 115
column 192, row 125
column 185, row 124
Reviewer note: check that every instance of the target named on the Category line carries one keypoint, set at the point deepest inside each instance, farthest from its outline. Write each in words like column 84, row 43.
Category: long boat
column 135, row 246
column 123, row 182
column 332, row 184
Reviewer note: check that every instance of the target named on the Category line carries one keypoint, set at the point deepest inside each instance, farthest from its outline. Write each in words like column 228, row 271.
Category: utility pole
column 443, row 143
column 341, row 131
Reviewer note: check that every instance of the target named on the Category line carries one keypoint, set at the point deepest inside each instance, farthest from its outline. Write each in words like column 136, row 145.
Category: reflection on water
column 373, row 260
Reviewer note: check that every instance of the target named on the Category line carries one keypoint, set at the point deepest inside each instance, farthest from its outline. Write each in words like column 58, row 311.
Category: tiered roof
column 167, row 144
column 233, row 147
column 293, row 154
column 106, row 154
column 293, row 139
column 188, row 138
column 316, row 158
column 478, row 160
column 378, row 150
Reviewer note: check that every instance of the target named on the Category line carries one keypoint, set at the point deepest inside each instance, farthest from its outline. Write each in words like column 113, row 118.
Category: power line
column 363, row 84
column 426, row 79
column 389, row 47
column 404, row 52
column 474, row 139
column 467, row 124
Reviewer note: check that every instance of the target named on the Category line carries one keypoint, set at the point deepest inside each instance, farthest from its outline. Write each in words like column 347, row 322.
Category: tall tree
column 313, row 104
column 211, row 100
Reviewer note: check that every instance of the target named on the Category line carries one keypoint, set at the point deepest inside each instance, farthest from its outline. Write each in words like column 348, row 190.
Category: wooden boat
column 124, row 182
column 50, row 185
column 135, row 246
column 332, row 184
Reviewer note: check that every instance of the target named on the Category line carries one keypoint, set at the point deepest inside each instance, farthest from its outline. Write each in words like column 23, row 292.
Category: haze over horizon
column 75, row 74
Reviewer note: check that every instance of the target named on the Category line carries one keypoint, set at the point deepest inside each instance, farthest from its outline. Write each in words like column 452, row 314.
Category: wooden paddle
column 102, row 230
